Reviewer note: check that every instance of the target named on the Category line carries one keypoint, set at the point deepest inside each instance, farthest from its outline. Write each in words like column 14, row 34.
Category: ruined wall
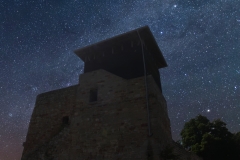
column 113, row 127
column 46, row 119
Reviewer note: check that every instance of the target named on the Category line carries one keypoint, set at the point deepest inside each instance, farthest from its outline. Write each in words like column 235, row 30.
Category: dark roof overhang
column 105, row 46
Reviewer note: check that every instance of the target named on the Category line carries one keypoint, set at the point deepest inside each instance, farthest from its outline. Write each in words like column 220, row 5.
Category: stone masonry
column 114, row 127
column 104, row 116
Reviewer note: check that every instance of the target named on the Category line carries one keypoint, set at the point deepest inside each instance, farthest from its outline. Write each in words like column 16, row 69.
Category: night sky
column 200, row 40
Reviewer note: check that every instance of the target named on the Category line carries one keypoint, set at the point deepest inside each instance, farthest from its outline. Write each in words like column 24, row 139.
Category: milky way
column 200, row 40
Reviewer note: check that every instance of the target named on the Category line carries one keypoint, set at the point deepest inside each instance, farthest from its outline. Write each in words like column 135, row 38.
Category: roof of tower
column 108, row 46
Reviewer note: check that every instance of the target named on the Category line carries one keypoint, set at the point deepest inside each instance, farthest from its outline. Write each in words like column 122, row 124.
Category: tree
column 236, row 139
column 193, row 132
column 209, row 140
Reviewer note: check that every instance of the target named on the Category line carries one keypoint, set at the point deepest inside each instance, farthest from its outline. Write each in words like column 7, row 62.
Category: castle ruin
column 116, row 111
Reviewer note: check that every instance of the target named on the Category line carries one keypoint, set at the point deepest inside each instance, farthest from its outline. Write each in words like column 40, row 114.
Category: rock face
column 108, row 115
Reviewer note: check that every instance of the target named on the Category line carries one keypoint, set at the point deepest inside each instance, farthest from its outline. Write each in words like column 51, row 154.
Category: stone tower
column 116, row 111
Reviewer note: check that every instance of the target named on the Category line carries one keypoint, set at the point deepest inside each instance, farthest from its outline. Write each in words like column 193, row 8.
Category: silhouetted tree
column 209, row 140
column 236, row 139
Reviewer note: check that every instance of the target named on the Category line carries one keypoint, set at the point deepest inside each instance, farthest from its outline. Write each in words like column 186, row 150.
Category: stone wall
column 46, row 120
column 113, row 127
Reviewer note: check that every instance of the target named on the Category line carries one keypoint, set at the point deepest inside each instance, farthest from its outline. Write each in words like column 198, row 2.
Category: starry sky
column 199, row 40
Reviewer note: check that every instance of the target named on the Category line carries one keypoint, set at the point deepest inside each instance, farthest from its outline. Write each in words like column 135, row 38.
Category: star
column 199, row 41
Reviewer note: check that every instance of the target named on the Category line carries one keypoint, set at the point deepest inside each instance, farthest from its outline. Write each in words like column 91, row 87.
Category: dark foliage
column 210, row 140
column 168, row 154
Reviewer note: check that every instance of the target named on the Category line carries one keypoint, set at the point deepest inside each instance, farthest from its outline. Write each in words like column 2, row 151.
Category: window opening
column 65, row 120
column 93, row 95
